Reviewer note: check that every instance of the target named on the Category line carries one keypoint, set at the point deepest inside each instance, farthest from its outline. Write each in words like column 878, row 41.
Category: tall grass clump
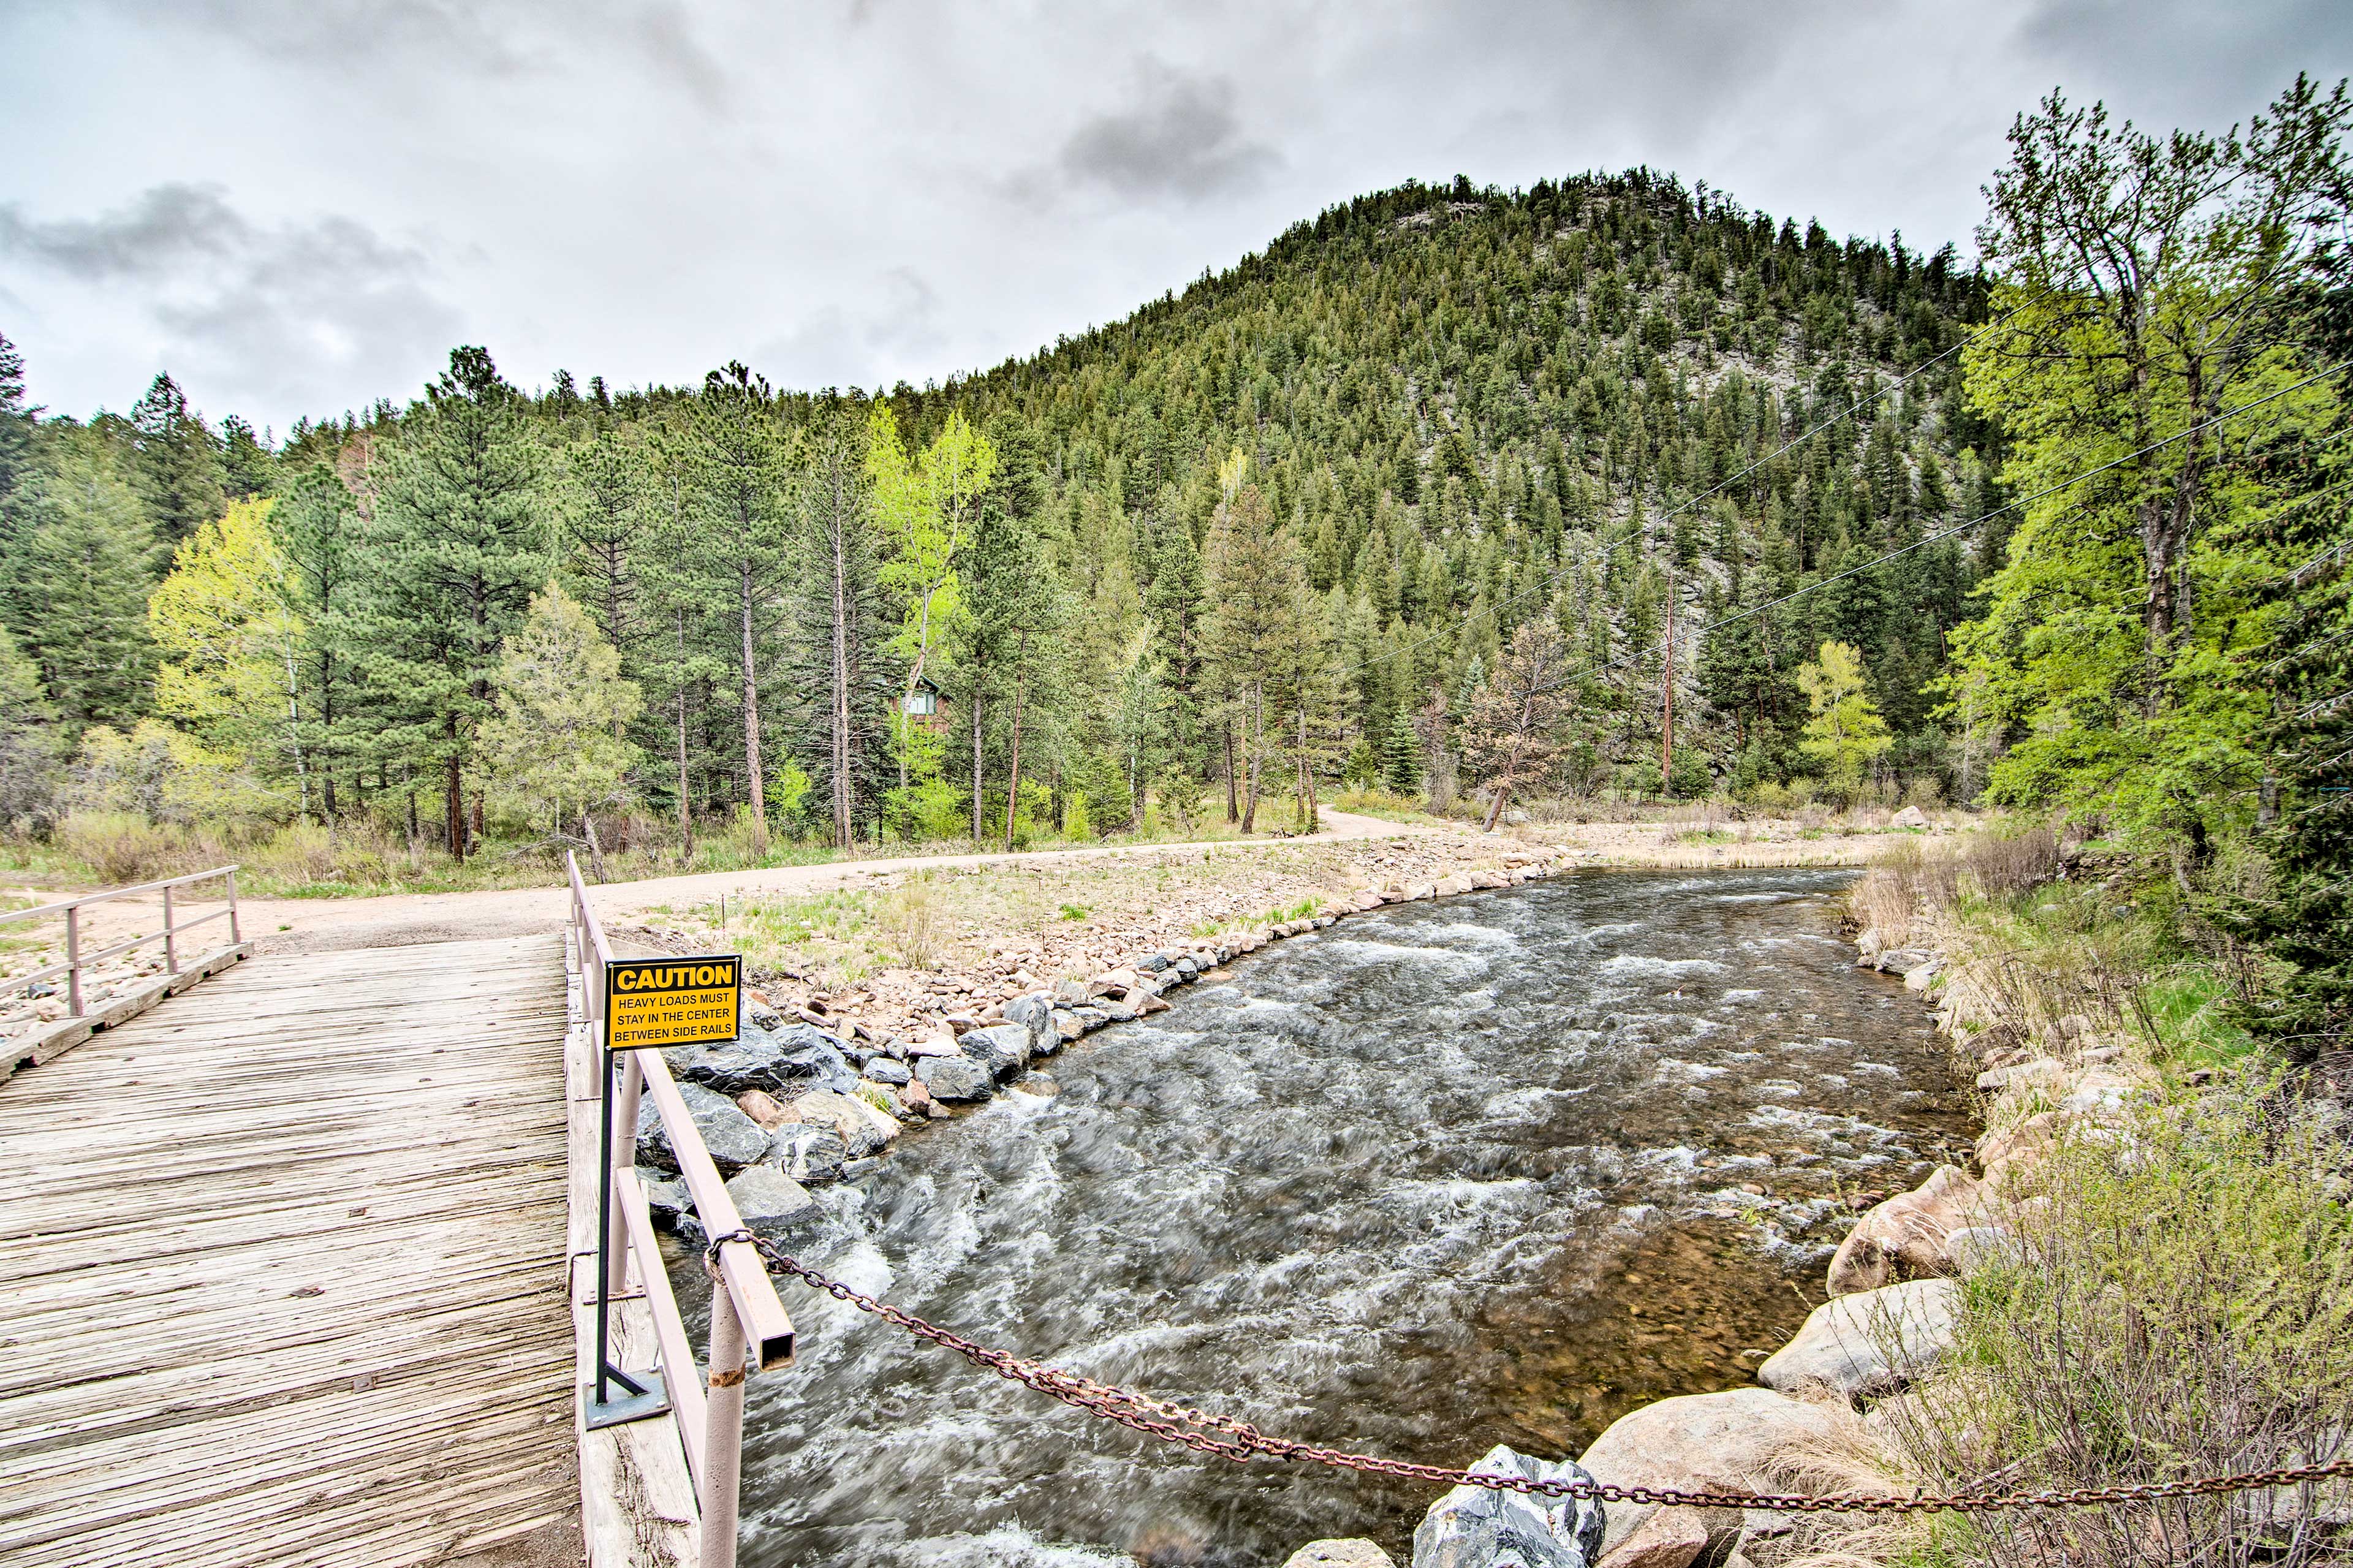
column 2176, row 1302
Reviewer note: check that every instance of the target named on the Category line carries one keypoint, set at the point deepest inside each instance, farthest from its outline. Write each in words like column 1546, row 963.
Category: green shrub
column 2178, row 1303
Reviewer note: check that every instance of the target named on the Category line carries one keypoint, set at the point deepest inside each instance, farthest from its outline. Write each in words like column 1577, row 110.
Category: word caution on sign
column 650, row 1003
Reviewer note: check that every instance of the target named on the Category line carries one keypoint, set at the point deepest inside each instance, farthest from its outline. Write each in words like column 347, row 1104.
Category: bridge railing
column 747, row 1319
column 169, row 934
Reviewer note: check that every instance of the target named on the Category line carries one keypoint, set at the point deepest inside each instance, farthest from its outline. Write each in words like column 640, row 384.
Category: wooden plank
column 285, row 1277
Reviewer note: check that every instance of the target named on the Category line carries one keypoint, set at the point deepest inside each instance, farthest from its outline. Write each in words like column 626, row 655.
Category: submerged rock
column 1479, row 1527
column 1869, row 1344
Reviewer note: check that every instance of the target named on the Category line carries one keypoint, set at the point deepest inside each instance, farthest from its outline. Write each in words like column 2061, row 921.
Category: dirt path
column 322, row 925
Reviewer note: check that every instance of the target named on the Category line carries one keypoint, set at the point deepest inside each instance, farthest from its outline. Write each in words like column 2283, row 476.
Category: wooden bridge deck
column 282, row 1272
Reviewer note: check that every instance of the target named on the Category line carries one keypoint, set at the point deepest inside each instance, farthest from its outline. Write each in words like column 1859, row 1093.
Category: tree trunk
column 1233, row 805
column 2164, row 524
column 839, row 704
column 1503, row 784
column 1257, row 745
column 453, row 799
column 685, row 791
column 1013, row 773
column 752, row 772
column 977, row 791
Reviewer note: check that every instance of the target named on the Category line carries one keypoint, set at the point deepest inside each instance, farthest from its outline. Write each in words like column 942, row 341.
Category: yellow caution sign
column 650, row 1003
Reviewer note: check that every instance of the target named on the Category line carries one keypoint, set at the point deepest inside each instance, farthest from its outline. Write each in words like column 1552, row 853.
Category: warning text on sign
column 650, row 1003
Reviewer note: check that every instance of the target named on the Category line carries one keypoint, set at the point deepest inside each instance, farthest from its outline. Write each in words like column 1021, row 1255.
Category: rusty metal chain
column 1225, row 1437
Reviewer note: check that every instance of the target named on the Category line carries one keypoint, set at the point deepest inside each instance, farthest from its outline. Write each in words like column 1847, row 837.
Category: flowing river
column 1497, row 1168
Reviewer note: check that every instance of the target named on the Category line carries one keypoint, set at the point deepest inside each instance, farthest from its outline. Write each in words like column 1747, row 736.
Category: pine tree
column 742, row 466
column 555, row 746
column 75, row 583
column 177, row 470
column 457, row 546
column 30, row 744
column 17, row 423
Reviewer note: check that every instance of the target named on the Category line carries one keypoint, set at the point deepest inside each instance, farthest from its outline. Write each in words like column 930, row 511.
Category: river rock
column 764, row 1059
column 771, row 1200
column 1036, row 1014
column 863, row 1129
column 1483, row 878
column 1669, row 1538
column 1477, row 1527
column 1447, row 886
column 955, row 1077
column 1354, row 1551
column 1869, row 1344
column 1910, row 817
column 882, row 1070
column 1901, row 959
column 1002, row 1048
column 2011, row 1154
column 1904, row 1238
column 1699, row 1442
column 807, row 1152
column 733, row 1138
column 671, row 1206
column 1068, row 1026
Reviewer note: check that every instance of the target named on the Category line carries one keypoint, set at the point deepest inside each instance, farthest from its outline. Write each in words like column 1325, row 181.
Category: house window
column 922, row 704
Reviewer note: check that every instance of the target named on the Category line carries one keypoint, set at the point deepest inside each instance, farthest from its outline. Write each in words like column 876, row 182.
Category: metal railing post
column 722, row 1430
column 171, row 937
column 233, row 936
column 623, row 1158
column 73, row 959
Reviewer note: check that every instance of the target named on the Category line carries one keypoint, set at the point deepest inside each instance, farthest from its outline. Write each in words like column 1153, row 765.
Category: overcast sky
column 299, row 205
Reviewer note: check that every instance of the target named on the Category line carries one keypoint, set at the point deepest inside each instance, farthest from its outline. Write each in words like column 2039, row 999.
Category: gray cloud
column 647, row 188
column 278, row 315
column 1175, row 135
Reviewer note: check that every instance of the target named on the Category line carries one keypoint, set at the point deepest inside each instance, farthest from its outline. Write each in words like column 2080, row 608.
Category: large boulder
column 1035, row 1013
column 1479, row 1527
column 1354, row 1551
column 733, row 1138
column 863, row 1129
column 761, row 1058
column 771, row 1202
column 1869, row 1344
column 955, row 1077
column 1002, row 1048
column 1904, row 1238
column 2009, row 1156
column 1910, row 817
column 1700, row 1442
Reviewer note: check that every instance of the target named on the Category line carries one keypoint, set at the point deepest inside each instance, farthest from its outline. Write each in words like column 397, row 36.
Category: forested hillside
column 1275, row 531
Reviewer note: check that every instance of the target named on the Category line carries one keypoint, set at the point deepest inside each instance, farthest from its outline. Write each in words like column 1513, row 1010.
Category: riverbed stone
column 882, row 1070
column 1869, row 1344
column 733, row 1138
column 1479, row 1527
column 956, row 1077
column 1700, row 1442
column 770, row 1201
column 1353, row 1551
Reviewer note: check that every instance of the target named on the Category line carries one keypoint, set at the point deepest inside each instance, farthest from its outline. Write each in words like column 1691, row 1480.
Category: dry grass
column 1853, row 1458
